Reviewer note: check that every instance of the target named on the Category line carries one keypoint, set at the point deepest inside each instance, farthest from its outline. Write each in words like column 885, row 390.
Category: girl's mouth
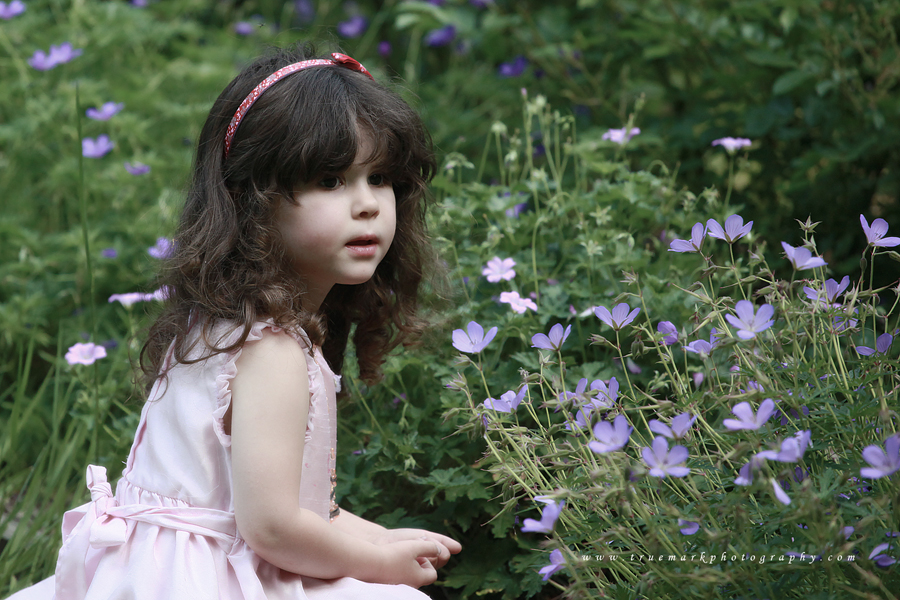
column 363, row 246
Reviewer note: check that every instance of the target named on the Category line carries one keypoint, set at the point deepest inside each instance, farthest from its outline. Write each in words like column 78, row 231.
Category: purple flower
column 792, row 449
column 698, row 232
column 14, row 8
column 663, row 461
column 137, row 168
column 553, row 341
column 779, row 493
column 41, row 61
column 731, row 144
column 882, row 345
column 516, row 210
column 619, row 317
column 244, row 28
column 109, row 253
column 130, row 298
column 745, row 475
column 882, row 463
column 548, row 518
column 669, row 331
column 745, row 417
column 163, row 293
column 353, row 27
column 833, row 289
column 802, row 258
column 96, row 148
column 680, row 426
column 384, row 48
column 749, row 323
column 733, row 231
column 517, row 303
column 514, row 68
column 84, row 354
column 305, row 10
column 606, row 394
column 105, row 112
column 619, row 136
column 882, row 560
column 440, row 37
column 701, row 347
column 688, row 527
column 557, row 562
column 481, row 3
column 582, row 417
column 139, row 3
column 63, row 53
column 875, row 233
column 473, row 340
column 508, row 402
column 162, row 249
column 611, row 437
column 497, row 269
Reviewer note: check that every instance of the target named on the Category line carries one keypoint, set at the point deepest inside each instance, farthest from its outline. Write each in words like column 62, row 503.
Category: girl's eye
column 379, row 180
column 329, row 183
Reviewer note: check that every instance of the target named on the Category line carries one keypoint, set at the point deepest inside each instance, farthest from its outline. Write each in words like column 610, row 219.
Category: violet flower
column 517, row 303
column 137, row 168
column 384, row 48
column 557, row 563
column 882, row 560
column 85, row 354
column 875, row 233
column 611, row 437
column 499, row 269
column 514, row 68
column 440, row 37
column 701, row 347
column 749, row 323
column 548, row 518
column 882, row 463
column 13, row 9
column 606, row 393
column 620, row 136
column 244, row 28
column 105, row 112
column 731, row 144
column 130, row 298
column 681, row 424
column 508, row 402
column 663, row 461
column 553, row 341
column 779, row 493
column 473, row 340
column 746, row 419
column 58, row 55
column 162, row 249
column 733, row 231
column 825, row 297
column 801, row 258
column 669, row 331
column 882, row 345
column 96, row 148
column 109, row 253
column 688, row 527
column 353, row 27
column 619, row 317
column 792, row 449
column 698, row 232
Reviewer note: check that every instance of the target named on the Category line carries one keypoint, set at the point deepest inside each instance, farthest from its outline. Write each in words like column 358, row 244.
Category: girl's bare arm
column 270, row 404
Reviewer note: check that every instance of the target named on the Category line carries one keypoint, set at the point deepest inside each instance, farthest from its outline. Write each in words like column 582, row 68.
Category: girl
column 303, row 220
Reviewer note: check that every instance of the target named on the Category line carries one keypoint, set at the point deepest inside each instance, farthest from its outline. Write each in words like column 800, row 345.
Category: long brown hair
column 228, row 260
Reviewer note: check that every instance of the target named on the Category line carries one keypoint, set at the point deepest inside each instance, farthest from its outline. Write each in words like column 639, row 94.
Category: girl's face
column 339, row 228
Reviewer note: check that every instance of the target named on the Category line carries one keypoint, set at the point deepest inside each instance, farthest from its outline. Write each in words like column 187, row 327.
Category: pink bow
column 106, row 530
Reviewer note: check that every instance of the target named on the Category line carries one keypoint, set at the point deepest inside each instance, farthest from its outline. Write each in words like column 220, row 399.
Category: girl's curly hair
column 229, row 260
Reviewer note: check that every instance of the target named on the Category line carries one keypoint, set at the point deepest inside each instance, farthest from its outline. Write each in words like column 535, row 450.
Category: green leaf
column 790, row 81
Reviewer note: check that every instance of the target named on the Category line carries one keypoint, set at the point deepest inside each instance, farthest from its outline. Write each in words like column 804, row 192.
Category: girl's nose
column 365, row 203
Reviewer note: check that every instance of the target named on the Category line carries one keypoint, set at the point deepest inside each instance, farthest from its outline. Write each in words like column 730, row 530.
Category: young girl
column 303, row 220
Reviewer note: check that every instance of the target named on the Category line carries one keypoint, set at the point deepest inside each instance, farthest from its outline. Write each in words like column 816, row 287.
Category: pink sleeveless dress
column 169, row 532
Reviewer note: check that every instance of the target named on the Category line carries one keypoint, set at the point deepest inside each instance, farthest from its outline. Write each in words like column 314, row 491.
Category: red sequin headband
column 336, row 59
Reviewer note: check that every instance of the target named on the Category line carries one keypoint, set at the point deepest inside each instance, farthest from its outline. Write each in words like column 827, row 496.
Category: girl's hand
column 408, row 562
column 446, row 546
